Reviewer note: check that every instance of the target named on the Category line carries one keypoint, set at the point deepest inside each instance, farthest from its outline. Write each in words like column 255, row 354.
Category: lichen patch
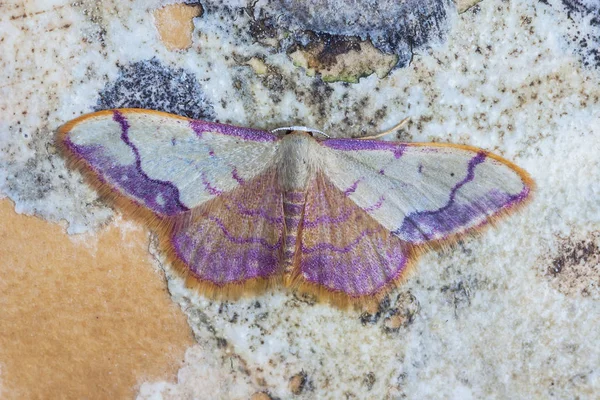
column 339, row 58
column 575, row 268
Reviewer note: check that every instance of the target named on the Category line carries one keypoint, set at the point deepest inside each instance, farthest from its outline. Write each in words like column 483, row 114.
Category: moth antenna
column 300, row 128
column 391, row 130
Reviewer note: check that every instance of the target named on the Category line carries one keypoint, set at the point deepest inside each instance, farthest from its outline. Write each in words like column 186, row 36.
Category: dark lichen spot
column 149, row 84
column 221, row 342
column 576, row 268
column 263, row 28
column 401, row 313
column 234, row 318
column 299, row 298
column 33, row 180
column 319, row 95
column 371, row 317
column 326, row 47
column 369, row 380
column 458, row 294
column 586, row 41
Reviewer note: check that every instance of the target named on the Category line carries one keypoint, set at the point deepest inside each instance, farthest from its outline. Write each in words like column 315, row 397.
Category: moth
column 242, row 209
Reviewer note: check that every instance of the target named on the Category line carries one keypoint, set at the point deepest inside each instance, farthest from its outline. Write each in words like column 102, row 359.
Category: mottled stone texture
column 513, row 314
column 394, row 27
column 574, row 268
column 585, row 41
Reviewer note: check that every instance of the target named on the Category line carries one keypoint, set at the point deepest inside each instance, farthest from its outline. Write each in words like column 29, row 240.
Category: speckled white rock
column 482, row 320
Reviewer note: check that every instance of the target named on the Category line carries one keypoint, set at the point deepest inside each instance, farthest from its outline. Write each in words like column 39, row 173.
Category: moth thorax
column 298, row 160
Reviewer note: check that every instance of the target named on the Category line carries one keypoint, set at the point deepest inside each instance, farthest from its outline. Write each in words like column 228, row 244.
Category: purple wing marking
column 422, row 226
column 236, row 236
column 162, row 197
column 243, row 133
column 358, row 144
column 343, row 248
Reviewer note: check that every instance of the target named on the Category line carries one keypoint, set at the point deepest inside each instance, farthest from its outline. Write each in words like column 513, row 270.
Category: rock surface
column 512, row 313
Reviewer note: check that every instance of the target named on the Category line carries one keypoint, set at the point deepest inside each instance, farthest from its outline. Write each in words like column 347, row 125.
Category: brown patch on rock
column 369, row 380
column 82, row 316
column 341, row 58
column 297, row 383
column 175, row 26
column 576, row 268
column 260, row 396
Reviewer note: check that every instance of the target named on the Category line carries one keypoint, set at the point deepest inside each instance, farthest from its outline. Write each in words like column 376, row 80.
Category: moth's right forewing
column 426, row 192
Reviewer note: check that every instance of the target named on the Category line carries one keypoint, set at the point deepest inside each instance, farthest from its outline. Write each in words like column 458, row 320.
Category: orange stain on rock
column 175, row 26
column 82, row 317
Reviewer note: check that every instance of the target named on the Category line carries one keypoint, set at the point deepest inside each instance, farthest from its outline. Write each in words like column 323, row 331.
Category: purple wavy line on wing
column 375, row 206
column 209, row 188
column 224, row 267
column 352, row 188
column 236, row 176
column 346, row 249
column 473, row 162
column 326, row 219
column 121, row 120
column 422, row 226
column 343, row 217
column 415, row 224
column 358, row 276
column 255, row 135
column 258, row 212
column 131, row 179
column 239, row 240
column 516, row 198
column 358, row 144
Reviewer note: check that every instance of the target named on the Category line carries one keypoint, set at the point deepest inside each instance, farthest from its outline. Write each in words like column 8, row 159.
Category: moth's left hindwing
column 167, row 163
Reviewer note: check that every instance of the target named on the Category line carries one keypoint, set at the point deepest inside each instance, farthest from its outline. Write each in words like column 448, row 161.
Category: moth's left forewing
column 167, row 163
